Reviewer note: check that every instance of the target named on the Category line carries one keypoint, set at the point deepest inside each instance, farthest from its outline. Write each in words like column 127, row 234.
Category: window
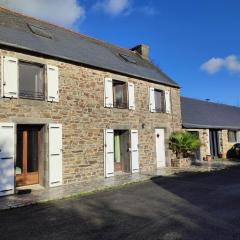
column 127, row 58
column 159, row 101
column 119, row 94
column 232, row 136
column 31, row 80
column 40, row 31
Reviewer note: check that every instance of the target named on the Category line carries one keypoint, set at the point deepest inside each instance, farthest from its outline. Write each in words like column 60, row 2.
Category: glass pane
column 120, row 94
column 232, row 136
column 158, row 100
column 33, row 150
column 117, row 152
column 19, row 162
column 31, row 80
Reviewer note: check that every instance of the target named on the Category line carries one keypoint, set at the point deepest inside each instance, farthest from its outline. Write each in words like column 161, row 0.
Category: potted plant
column 220, row 155
column 208, row 158
column 183, row 144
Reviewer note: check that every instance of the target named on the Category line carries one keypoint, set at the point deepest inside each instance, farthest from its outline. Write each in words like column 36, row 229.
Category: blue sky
column 196, row 42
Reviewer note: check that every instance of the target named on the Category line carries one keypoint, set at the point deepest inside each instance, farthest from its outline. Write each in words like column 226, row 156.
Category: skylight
column 127, row 58
column 40, row 31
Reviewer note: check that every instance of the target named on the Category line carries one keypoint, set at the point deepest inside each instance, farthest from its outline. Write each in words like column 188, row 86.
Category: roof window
column 127, row 58
column 40, row 31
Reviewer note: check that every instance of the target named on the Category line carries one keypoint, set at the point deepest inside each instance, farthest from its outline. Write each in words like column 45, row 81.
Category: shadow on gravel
column 167, row 208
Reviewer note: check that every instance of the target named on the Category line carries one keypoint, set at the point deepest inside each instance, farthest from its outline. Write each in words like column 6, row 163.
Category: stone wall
column 226, row 144
column 84, row 118
column 204, row 138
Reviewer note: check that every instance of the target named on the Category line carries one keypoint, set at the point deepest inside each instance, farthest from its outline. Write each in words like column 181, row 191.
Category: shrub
column 183, row 144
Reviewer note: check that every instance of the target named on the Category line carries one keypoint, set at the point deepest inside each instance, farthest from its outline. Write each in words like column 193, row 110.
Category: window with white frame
column 31, row 80
column 119, row 94
column 23, row 79
column 159, row 100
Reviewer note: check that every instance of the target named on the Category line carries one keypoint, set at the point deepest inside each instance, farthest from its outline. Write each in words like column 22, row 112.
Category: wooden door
column 28, row 152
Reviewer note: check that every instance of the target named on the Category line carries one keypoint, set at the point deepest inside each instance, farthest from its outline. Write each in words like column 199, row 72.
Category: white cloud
column 230, row 63
column 61, row 12
column 126, row 7
column 113, row 7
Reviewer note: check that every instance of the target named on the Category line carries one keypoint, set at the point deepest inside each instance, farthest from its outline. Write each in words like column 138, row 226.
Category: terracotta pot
column 208, row 158
column 220, row 155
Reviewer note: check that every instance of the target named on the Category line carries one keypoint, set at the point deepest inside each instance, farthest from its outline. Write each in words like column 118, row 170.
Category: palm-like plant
column 183, row 143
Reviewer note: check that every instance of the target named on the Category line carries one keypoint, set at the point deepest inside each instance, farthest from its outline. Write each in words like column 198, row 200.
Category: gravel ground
column 189, row 206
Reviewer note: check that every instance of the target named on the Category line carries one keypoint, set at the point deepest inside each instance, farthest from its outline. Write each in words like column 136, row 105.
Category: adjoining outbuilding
column 217, row 125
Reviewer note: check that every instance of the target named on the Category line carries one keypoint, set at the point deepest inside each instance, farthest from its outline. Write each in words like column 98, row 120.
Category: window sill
column 28, row 98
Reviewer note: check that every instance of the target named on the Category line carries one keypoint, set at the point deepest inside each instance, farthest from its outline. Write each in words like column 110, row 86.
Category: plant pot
column 181, row 162
column 209, row 158
column 220, row 155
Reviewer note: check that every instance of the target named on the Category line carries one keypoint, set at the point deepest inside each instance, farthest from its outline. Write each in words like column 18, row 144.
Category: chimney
column 143, row 50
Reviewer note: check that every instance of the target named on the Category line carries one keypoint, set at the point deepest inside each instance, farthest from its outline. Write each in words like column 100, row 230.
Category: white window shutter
column 151, row 100
column 134, row 151
column 9, row 77
column 167, row 102
column 108, row 93
column 52, row 83
column 131, row 96
column 109, row 152
column 7, row 153
column 55, row 155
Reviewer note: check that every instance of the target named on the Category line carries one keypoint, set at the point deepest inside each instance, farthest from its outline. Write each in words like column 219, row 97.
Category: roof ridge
column 215, row 103
column 66, row 29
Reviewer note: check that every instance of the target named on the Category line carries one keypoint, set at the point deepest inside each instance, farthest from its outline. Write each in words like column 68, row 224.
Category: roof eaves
column 87, row 64
column 201, row 126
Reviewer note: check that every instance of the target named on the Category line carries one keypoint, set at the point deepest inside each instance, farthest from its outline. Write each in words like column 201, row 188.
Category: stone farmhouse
column 74, row 108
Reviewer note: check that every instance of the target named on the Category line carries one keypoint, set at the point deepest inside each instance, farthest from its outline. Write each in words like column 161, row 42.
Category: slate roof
column 203, row 114
column 72, row 46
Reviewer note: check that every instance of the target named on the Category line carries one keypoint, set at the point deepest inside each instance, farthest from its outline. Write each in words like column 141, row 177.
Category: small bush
column 183, row 144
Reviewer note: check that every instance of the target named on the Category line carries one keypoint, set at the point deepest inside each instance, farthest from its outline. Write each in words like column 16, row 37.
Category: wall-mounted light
column 143, row 125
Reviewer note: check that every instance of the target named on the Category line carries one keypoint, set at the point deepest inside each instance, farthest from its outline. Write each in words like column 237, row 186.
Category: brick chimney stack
column 143, row 50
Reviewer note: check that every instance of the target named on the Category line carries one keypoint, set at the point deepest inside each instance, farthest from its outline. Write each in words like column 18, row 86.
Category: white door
column 109, row 152
column 160, row 148
column 134, row 151
column 7, row 146
column 55, row 155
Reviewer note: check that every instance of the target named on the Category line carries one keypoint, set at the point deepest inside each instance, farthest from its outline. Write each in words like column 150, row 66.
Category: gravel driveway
column 197, row 206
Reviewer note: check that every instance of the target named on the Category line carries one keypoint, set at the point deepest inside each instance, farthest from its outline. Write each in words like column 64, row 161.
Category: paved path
column 39, row 194
column 197, row 206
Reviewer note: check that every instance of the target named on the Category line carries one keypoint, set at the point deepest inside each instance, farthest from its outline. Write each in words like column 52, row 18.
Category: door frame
column 214, row 142
column 42, row 153
column 25, row 176
column 128, row 142
column 163, row 131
